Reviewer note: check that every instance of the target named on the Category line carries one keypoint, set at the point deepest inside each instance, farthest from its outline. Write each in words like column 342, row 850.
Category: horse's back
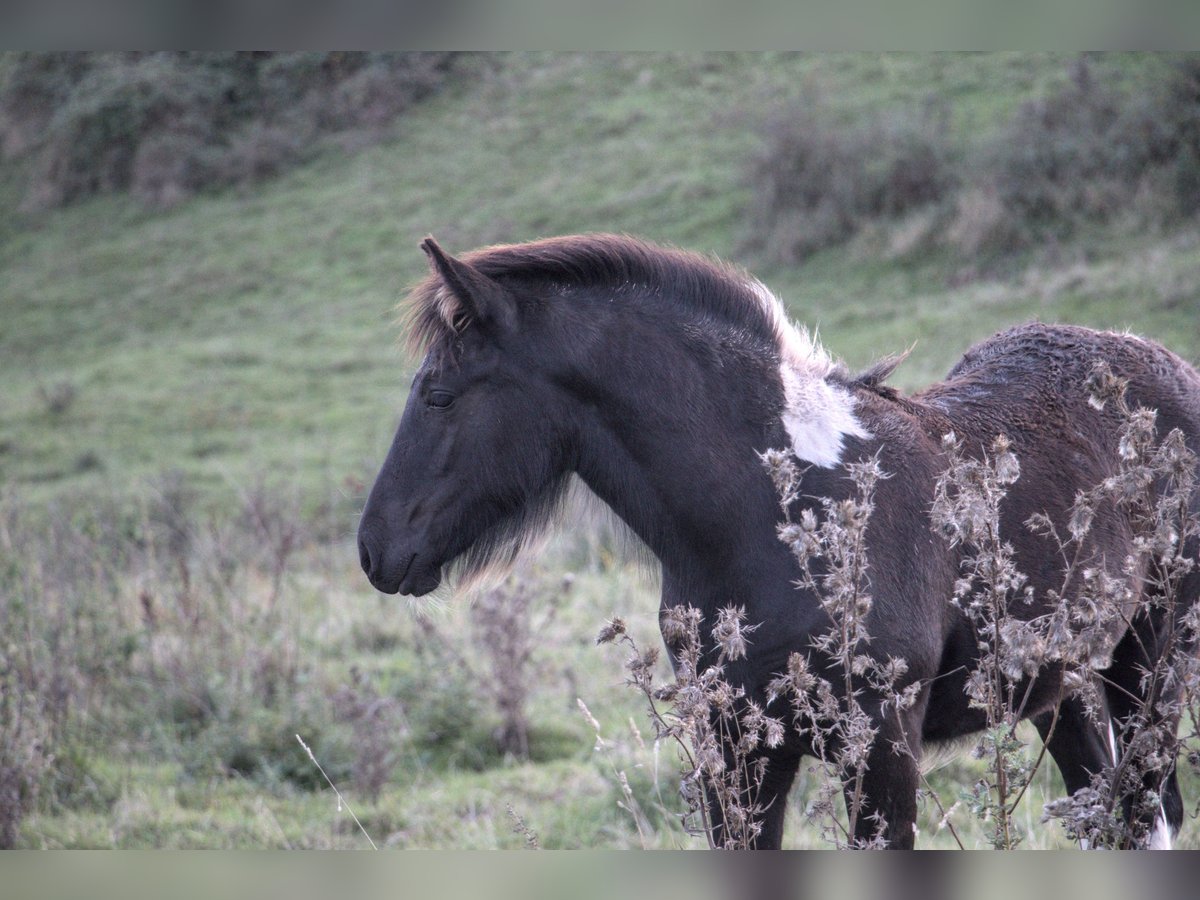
column 1034, row 377
column 1042, row 350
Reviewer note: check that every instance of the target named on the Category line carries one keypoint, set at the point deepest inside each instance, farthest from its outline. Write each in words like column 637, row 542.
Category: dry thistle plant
column 1140, row 601
column 1098, row 600
column 716, row 728
column 966, row 511
column 1156, row 485
column 720, row 732
column 825, row 689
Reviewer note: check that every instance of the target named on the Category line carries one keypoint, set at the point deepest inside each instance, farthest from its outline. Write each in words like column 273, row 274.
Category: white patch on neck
column 818, row 415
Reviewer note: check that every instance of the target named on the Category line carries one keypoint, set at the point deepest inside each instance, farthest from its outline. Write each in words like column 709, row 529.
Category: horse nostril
column 364, row 556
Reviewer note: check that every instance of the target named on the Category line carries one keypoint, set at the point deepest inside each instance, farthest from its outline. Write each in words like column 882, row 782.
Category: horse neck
column 670, row 439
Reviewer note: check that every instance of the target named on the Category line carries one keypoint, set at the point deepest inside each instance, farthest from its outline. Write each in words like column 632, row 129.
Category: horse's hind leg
column 1079, row 746
column 1154, row 634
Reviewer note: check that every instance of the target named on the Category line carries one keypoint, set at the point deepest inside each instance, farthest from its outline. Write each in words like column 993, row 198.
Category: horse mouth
column 382, row 583
column 418, row 578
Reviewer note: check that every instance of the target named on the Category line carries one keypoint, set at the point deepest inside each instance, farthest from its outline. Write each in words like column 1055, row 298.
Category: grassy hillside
column 246, row 333
column 247, row 338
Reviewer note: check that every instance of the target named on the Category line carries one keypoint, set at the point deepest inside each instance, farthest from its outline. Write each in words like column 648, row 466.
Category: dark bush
column 1180, row 110
column 167, row 124
column 817, row 179
column 91, row 140
column 259, row 151
column 32, row 87
column 1185, row 181
column 1075, row 154
column 1088, row 152
column 1091, row 150
column 170, row 167
column 378, row 92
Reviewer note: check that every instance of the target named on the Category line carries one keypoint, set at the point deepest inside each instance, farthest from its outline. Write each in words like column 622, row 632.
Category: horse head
column 478, row 457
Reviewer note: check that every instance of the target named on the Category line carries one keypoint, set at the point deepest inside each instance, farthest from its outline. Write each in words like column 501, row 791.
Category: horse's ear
column 469, row 293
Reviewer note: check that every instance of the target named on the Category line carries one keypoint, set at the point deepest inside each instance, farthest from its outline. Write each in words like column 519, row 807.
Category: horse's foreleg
column 881, row 800
column 759, row 801
column 768, row 795
column 772, row 799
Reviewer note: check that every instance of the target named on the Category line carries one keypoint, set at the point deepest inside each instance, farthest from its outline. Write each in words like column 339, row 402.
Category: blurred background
column 200, row 260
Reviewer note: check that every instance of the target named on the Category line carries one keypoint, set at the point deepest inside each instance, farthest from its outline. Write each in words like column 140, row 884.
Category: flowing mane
column 700, row 284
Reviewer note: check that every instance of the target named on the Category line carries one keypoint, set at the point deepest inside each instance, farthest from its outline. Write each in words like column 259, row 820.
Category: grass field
column 243, row 345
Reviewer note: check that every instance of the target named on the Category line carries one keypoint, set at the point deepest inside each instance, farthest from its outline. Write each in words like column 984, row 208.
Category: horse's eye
column 440, row 399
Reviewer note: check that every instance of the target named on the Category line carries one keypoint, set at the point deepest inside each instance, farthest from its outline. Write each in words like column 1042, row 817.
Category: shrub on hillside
column 1080, row 154
column 167, row 124
column 92, row 138
column 32, row 86
column 1073, row 152
column 818, row 179
column 1180, row 109
column 1088, row 151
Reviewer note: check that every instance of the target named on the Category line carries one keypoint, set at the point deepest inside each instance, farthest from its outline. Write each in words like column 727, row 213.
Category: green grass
column 572, row 802
column 153, row 789
column 249, row 336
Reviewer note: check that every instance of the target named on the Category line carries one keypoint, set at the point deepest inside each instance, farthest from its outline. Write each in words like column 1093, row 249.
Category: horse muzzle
column 407, row 573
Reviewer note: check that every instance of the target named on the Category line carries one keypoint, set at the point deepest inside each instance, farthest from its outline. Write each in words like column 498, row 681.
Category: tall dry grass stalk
column 341, row 801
